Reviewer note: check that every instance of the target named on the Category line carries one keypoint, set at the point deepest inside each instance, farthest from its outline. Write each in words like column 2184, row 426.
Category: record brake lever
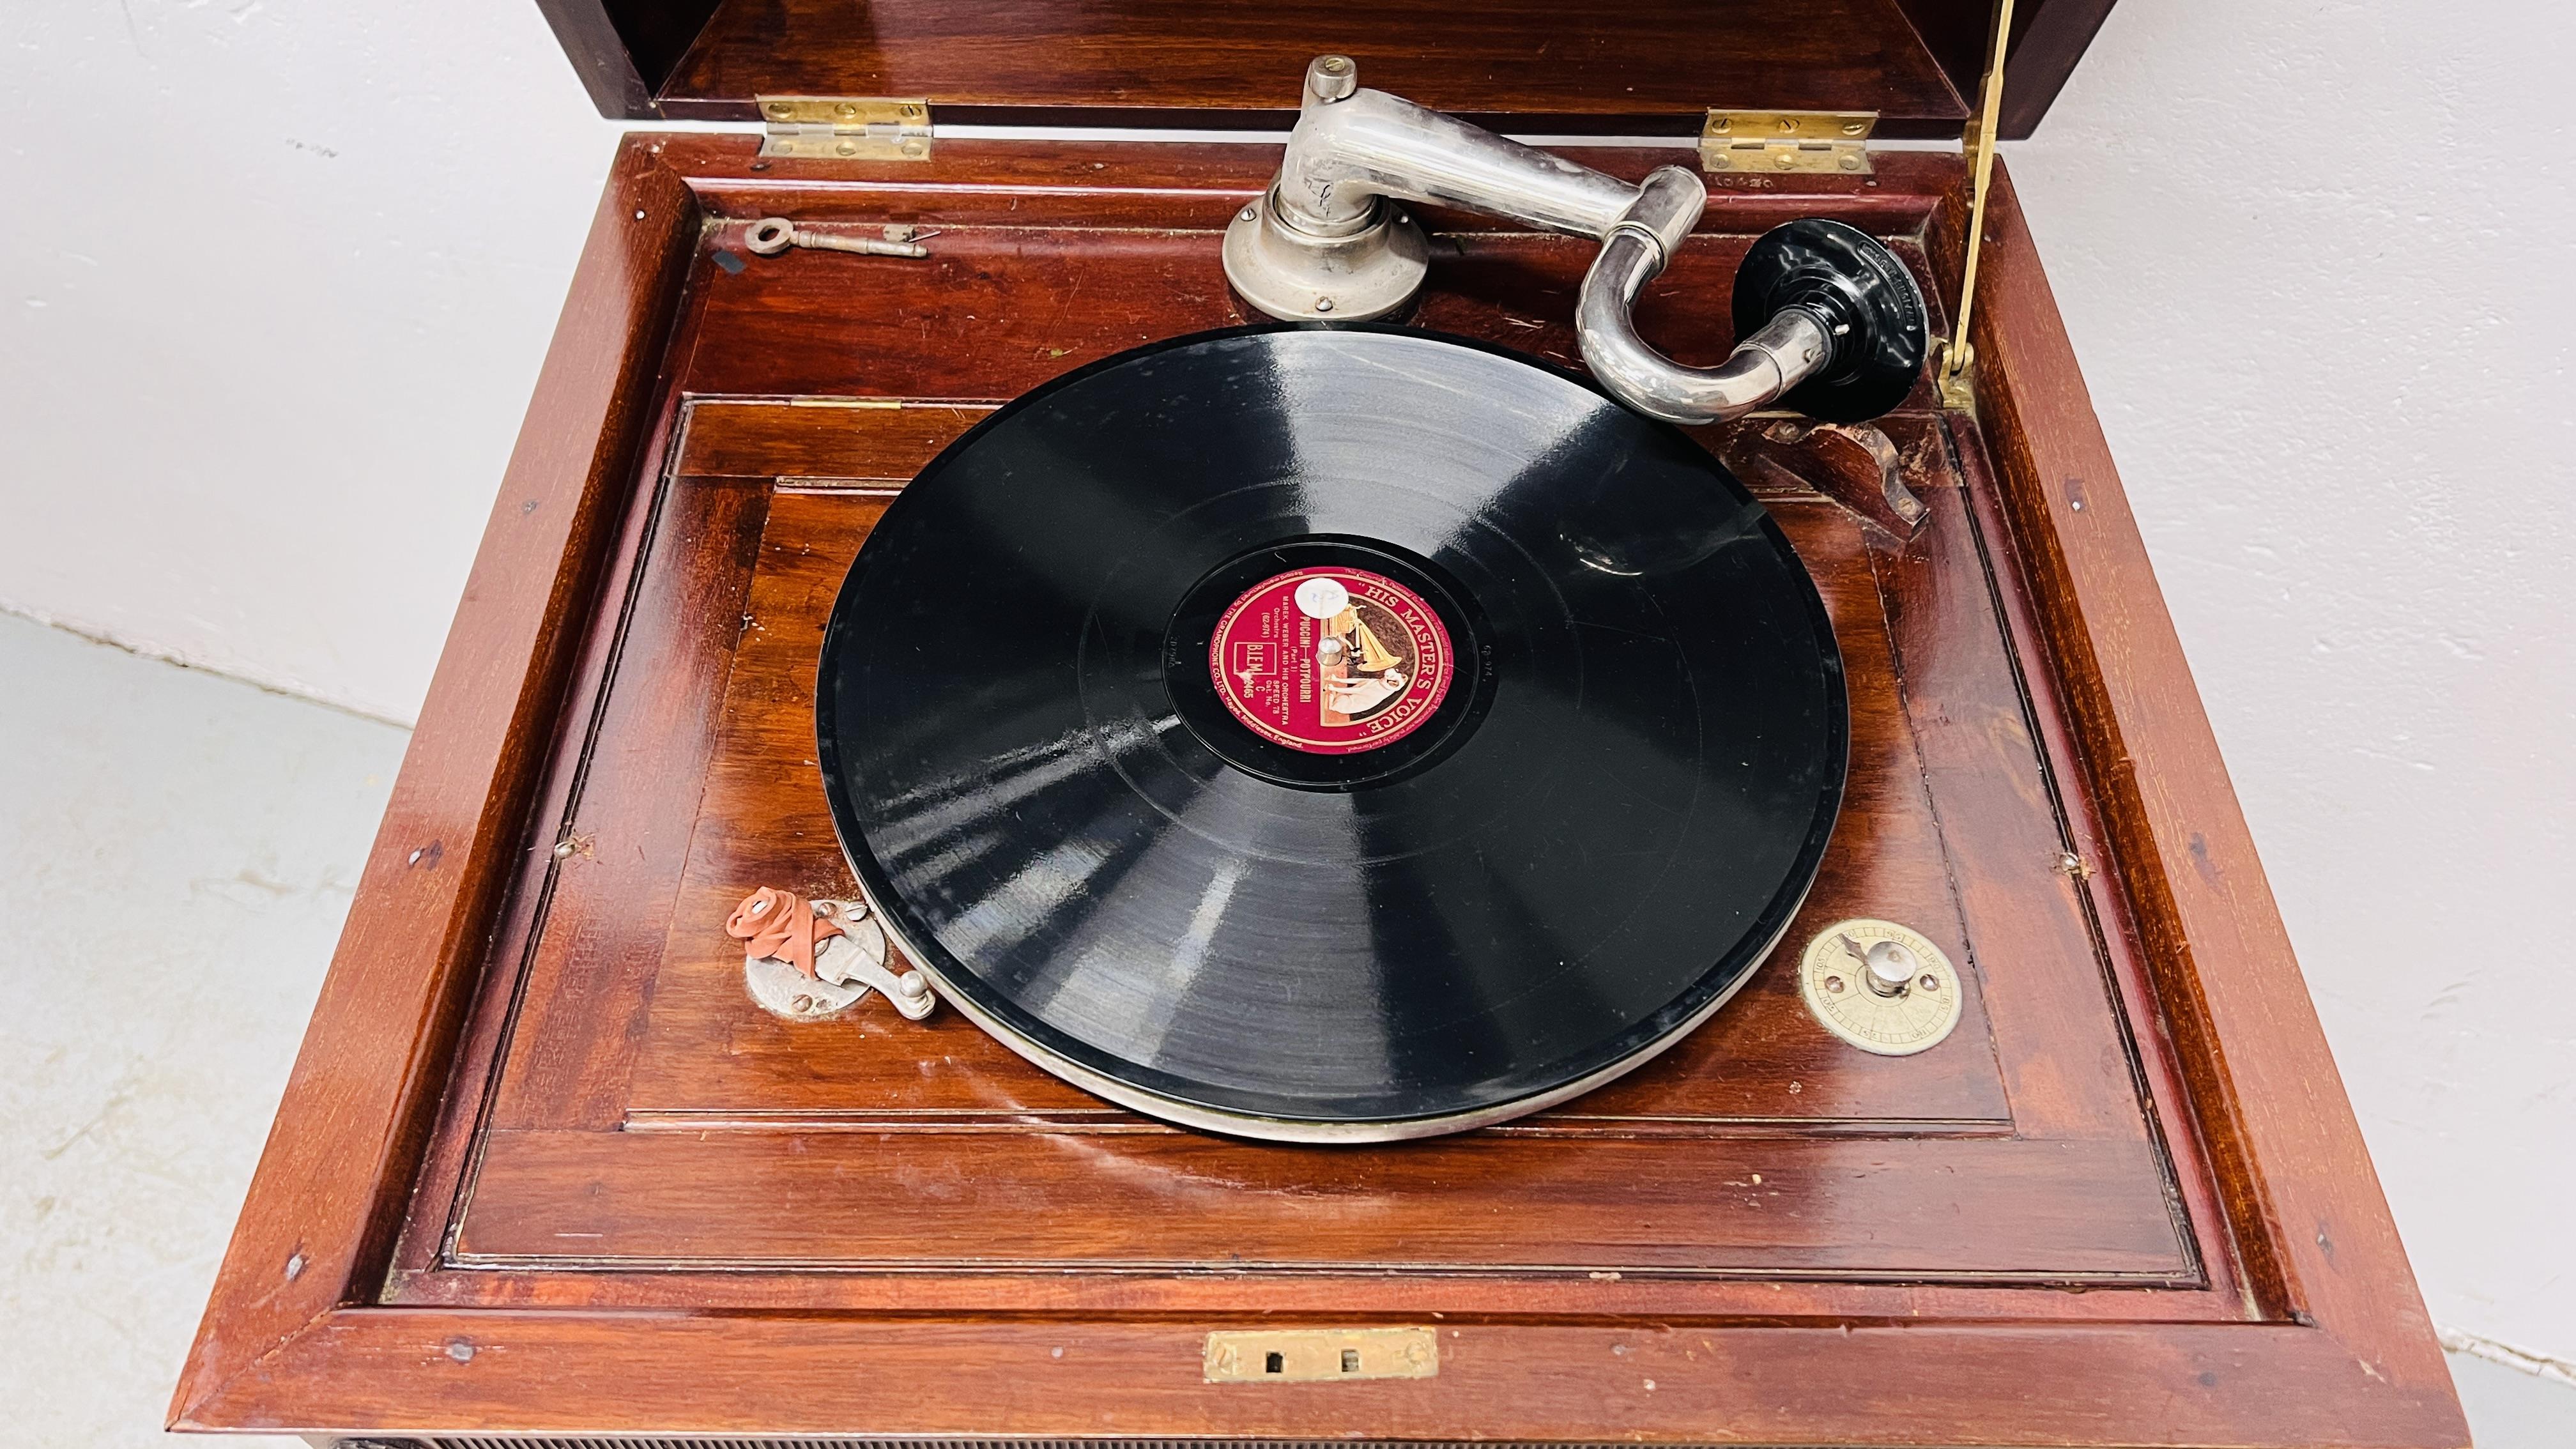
column 1832, row 322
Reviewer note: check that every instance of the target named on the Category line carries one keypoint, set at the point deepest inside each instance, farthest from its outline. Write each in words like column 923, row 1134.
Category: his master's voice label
column 1331, row 661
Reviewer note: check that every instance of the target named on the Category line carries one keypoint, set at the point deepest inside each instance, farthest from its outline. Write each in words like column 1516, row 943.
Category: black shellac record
column 1331, row 734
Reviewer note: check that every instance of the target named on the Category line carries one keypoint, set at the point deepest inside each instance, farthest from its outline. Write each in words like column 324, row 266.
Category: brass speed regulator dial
column 1879, row 986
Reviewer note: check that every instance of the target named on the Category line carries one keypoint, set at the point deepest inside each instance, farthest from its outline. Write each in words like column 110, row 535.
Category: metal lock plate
column 1317, row 1355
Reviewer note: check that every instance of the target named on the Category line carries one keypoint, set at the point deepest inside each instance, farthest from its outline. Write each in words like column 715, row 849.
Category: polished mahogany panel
column 544, row 1168
column 1641, row 69
column 1527, row 63
column 633, row 1020
column 751, row 1139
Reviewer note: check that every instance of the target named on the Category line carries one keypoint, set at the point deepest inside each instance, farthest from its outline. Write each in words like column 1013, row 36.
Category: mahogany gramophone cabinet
column 544, row 1169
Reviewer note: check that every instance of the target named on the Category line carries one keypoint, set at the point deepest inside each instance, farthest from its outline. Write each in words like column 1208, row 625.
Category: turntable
column 1453, row 792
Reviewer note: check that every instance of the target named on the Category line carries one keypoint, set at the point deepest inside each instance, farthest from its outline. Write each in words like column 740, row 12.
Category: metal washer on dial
column 1849, row 984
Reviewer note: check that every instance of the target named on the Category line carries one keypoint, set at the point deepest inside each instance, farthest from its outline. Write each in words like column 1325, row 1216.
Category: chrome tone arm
column 1351, row 148
column 1327, row 242
column 1783, row 353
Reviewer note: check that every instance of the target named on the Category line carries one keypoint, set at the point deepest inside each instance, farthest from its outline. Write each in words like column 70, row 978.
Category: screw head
column 1332, row 77
column 1249, row 213
column 1323, row 304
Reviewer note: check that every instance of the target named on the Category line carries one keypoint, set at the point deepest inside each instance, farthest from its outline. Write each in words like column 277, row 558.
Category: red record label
column 1331, row 661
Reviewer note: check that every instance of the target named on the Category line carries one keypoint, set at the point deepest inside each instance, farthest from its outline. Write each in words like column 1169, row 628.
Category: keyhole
column 1350, row 1360
column 1274, row 1363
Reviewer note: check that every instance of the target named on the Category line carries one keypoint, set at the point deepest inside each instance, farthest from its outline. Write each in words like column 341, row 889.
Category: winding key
column 776, row 234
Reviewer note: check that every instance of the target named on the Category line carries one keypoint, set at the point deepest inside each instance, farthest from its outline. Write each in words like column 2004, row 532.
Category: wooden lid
column 1639, row 67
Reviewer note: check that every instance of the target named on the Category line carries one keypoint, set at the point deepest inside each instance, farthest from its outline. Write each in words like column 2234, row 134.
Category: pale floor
column 176, row 852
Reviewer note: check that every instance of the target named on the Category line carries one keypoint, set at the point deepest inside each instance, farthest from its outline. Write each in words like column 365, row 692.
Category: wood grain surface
column 544, row 1168
column 1653, row 63
column 338, row 1162
column 1647, row 69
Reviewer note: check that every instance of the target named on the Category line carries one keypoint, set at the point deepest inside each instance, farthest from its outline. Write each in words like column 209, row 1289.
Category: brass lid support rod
column 1979, row 141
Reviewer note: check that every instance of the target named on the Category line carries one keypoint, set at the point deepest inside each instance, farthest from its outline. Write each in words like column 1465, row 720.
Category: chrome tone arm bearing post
column 1839, row 330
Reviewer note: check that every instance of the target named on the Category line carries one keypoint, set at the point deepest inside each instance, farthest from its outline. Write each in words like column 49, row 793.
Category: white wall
column 276, row 276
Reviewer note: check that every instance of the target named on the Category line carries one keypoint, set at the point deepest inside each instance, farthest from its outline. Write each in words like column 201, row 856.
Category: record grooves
column 1331, row 734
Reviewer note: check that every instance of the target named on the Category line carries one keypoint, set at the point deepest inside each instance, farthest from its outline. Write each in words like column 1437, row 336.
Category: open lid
column 1633, row 67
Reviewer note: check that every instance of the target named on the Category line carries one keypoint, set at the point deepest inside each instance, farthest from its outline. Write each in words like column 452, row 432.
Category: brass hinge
column 847, row 128
column 1829, row 141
